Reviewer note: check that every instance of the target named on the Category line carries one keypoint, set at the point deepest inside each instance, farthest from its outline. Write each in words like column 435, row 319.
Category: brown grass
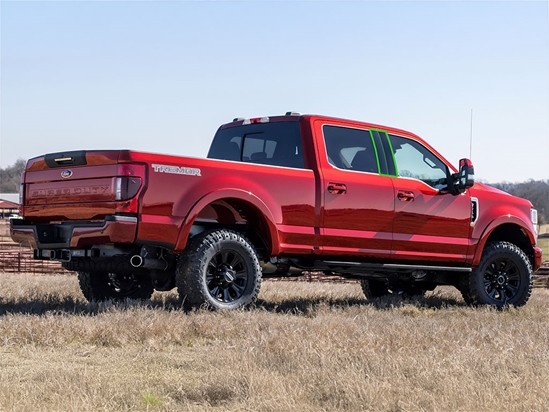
column 305, row 347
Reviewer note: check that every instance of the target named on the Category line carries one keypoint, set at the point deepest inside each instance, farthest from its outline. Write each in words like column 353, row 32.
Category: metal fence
column 17, row 258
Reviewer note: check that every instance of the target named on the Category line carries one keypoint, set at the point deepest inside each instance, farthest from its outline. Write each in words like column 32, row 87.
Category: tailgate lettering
column 93, row 190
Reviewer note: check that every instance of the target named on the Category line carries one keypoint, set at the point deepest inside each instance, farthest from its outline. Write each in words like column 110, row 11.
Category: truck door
column 430, row 223
column 357, row 200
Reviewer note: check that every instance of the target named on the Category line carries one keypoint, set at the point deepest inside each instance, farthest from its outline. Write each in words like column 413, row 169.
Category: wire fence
column 17, row 258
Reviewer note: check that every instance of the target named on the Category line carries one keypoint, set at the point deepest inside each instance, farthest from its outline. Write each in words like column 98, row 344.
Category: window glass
column 350, row 149
column 415, row 161
column 277, row 144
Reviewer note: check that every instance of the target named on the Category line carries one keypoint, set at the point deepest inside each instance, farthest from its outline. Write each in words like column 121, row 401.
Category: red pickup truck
column 278, row 196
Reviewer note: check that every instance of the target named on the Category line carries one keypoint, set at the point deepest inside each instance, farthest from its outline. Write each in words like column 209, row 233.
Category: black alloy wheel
column 227, row 276
column 503, row 277
column 219, row 269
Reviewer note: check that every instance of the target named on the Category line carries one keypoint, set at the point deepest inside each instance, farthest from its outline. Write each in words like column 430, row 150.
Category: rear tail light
column 130, row 179
column 127, row 187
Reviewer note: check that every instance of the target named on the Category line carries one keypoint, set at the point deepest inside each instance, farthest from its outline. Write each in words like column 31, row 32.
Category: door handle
column 405, row 196
column 337, row 188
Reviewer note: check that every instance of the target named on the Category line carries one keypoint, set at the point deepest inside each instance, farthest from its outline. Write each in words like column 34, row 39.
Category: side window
column 415, row 161
column 350, row 149
column 277, row 144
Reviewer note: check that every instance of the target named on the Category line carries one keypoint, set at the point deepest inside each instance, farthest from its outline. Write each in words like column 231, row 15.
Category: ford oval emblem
column 66, row 174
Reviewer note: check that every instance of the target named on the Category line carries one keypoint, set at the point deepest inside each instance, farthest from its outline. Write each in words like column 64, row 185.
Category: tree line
column 10, row 177
column 536, row 191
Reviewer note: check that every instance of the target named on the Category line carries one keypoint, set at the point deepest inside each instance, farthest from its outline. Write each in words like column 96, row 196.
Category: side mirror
column 465, row 176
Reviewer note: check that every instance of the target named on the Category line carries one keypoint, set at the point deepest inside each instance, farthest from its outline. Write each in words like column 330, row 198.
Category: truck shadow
column 310, row 305
column 64, row 305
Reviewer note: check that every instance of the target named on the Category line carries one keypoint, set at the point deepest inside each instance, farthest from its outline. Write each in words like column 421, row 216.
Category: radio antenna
column 471, row 138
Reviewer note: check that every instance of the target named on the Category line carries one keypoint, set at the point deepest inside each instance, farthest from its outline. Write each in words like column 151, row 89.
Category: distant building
column 9, row 204
column 10, row 197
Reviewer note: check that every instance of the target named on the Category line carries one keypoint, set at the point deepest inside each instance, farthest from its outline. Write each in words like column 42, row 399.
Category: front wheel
column 503, row 277
column 219, row 270
column 376, row 289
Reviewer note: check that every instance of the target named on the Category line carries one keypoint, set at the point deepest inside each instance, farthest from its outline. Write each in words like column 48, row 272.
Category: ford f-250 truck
column 277, row 196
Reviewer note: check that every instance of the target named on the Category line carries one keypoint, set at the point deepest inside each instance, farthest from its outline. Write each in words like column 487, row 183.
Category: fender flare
column 493, row 225
column 243, row 195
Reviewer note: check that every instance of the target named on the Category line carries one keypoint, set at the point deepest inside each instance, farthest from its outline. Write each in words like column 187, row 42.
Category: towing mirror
column 466, row 175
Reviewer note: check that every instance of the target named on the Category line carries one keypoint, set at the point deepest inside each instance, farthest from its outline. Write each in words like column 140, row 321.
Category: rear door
column 357, row 200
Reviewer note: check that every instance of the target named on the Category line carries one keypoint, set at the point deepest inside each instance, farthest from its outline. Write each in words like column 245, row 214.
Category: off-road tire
column 504, row 277
column 465, row 289
column 99, row 286
column 218, row 270
column 376, row 289
column 373, row 288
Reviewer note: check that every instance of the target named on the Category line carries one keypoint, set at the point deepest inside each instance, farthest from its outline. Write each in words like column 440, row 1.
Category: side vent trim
column 475, row 211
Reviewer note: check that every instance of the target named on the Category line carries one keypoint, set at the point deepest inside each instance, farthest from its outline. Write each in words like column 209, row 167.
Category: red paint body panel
column 168, row 204
column 319, row 211
column 110, row 232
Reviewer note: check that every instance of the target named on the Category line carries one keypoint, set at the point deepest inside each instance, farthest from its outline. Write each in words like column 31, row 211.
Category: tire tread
column 191, row 262
column 473, row 293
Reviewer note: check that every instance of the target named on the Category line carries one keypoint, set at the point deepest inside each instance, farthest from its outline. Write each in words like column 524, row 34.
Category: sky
column 162, row 76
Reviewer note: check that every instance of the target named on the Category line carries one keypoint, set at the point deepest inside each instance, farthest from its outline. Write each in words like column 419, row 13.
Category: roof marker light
column 293, row 114
column 256, row 120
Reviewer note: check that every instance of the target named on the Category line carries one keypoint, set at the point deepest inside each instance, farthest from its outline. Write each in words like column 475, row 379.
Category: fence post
column 18, row 261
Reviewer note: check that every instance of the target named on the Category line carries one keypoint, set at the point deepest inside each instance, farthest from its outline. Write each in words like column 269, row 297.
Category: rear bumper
column 537, row 258
column 114, row 229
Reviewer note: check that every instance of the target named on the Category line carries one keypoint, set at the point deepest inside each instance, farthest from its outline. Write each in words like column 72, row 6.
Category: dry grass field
column 304, row 347
column 543, row 243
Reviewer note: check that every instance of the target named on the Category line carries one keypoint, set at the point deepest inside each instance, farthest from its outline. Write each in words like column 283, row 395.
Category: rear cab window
column 274, row 144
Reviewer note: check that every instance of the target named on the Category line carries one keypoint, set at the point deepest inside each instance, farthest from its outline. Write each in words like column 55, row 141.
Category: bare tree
column 536, row 191
column 10, row 177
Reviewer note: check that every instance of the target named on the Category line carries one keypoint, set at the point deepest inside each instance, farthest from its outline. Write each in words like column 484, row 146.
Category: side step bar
column 387, row 267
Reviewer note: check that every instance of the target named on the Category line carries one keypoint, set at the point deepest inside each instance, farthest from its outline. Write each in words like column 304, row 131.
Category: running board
column 343, row 266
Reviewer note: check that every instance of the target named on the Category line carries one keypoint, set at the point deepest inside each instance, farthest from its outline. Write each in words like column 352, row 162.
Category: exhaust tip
column 136, row 261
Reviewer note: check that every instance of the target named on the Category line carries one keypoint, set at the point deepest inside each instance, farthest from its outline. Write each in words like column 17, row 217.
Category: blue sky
column 162, row 76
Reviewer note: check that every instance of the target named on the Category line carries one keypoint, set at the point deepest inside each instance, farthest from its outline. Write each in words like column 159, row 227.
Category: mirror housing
column 465, row 176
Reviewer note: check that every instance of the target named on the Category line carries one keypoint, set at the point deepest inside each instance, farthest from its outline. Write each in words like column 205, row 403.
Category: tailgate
column 83, row 185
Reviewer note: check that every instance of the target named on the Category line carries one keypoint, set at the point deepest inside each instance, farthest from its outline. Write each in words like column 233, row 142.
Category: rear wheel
column 503, row 277
column 99, row 286
column 376, row 288
column 219, row 270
